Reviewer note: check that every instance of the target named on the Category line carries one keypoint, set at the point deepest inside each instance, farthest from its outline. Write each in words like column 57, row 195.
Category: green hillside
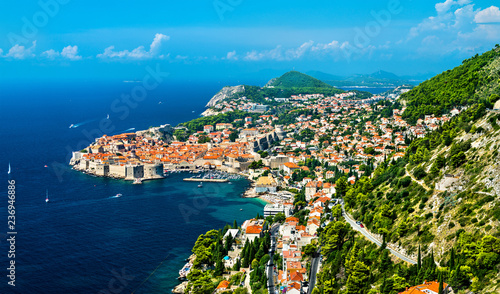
column 443, row 196
column 475, row 80
column 295, row 79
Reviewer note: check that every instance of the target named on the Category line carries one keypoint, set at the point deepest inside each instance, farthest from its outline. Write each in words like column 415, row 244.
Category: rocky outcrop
column 497, row 105
column 179, row 289
column 270, row 83
column 209, row 112
column 225, row 93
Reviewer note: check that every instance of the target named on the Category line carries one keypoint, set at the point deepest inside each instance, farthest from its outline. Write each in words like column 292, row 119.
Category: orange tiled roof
column 433, row 286
column 223, row 285
column 253, row 230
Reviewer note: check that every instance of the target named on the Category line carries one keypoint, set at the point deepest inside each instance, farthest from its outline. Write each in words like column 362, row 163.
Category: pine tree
column 357, row 283
column 385, row 261
column 387, row 286
column 384, row 287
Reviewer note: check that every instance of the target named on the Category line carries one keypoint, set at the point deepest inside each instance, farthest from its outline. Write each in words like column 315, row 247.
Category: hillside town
column 295, row 165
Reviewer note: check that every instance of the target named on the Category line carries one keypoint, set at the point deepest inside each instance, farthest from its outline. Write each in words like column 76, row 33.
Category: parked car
column 361, row 225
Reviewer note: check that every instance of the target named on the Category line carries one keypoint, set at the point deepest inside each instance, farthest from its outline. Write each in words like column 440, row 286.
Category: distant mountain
column 323, row 76
column 295, row 79
column 377, row 79
column 384, row 75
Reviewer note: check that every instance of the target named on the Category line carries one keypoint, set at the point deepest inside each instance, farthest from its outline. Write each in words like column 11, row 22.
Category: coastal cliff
column 225, row 93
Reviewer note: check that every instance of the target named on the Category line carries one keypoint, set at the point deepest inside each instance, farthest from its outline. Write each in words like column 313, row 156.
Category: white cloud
column 463, row 17
column 292, row 54
column 231, row 55
column 51, row 54
column 71, row 52
column 181, row 57
column 273, row 54
column 488, row 15
column 139, row 52
column 446, row 5
column 330, row 46
column 68, row 52
column 278, row 53
column 154, row 48
column 446, row 18
column 310, row 49
column 456, row 28
column 20, row 52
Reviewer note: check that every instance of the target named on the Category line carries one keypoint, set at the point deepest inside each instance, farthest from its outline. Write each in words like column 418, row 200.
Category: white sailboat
column 47, row 196
column 8, row 172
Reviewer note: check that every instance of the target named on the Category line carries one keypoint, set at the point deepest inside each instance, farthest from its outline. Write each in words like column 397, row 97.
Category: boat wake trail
column 124, row 131
column 73, row 126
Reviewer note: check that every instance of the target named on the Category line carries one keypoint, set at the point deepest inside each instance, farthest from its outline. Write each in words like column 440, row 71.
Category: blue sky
column 232, row 40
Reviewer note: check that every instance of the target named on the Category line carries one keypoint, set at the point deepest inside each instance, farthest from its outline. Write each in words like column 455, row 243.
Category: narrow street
column 314, row 270
column 271, row 273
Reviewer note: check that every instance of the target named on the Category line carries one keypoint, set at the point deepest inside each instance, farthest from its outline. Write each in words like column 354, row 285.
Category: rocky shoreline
column 179, row 289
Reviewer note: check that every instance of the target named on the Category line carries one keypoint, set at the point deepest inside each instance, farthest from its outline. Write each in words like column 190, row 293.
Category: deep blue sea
column 84, row 240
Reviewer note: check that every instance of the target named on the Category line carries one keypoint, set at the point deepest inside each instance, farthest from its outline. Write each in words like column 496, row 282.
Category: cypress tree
column 219, row 267
column 244, row 256
column 420, row 276
column 251, row 253
column 235, row 225
column 226, row 227
column 419, row 261
column 384, row 244
column 440, row 290
column 452, row 258
column 456, row 278
column 432, row 262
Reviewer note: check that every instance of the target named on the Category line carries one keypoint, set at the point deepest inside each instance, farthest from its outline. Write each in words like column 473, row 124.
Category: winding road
column 370, row 237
